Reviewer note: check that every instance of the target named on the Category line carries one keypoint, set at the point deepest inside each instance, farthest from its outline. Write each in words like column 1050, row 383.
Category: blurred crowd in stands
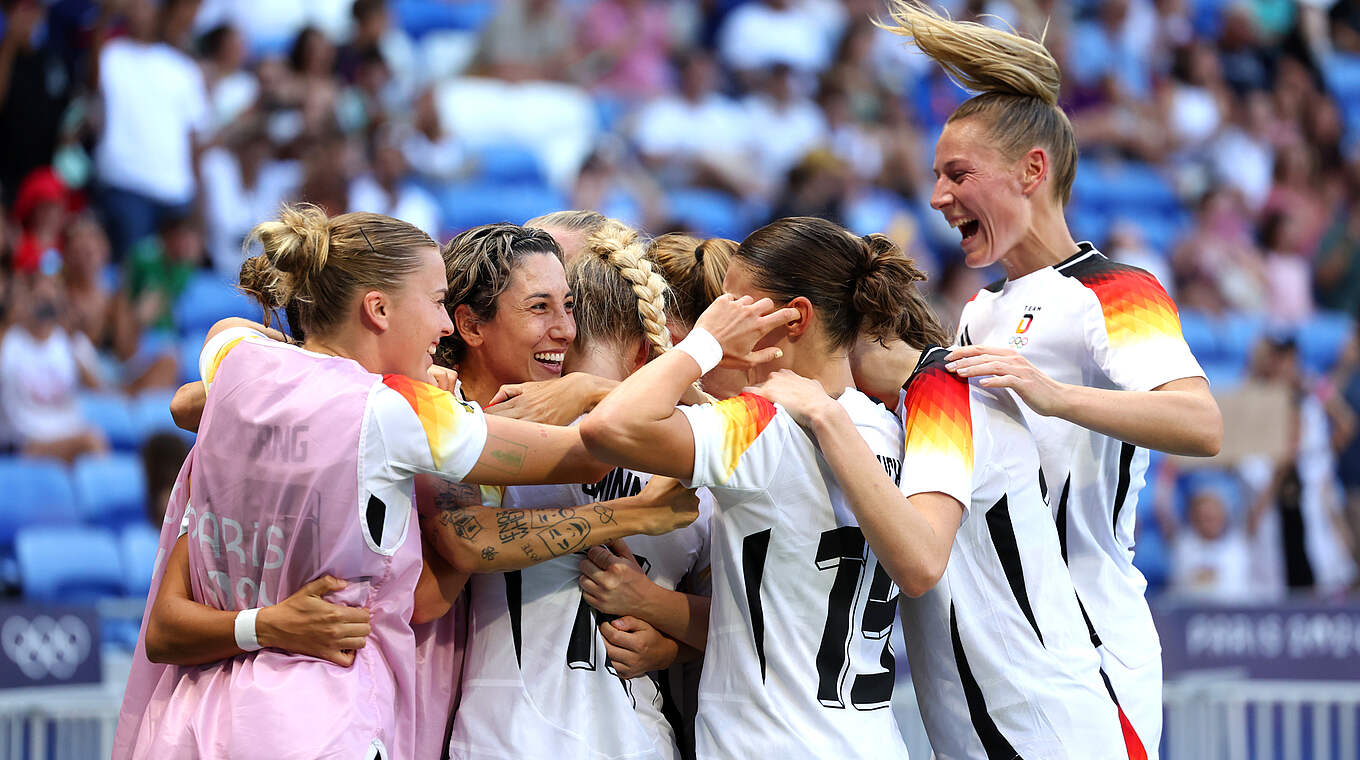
column 140, row 141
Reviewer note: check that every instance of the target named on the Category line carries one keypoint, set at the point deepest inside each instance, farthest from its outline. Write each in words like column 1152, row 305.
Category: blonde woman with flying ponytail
column 1092, row 348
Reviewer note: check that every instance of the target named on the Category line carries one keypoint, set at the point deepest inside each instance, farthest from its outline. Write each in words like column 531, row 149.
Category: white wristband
column 704, row 348
column 245, row 630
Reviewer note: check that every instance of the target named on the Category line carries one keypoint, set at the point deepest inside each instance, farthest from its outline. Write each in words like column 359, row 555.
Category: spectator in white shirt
column 799, row 33
column 154, row 107
column 699, row 136
column 1210, row 557
column 384, row 189
column 41, row 368
column 789, row 123
column 242, row 184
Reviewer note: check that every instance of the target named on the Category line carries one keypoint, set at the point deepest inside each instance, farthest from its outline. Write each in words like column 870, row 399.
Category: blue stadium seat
column 508, row 163
column 110, row 490
column 469, row 204
column 68, row 564
column 189, row 349
column 36, row 492
column 419, row 17
column 1322, row 338
column 1223, row 375
column 151, row 413
column 1124, row 186
column 111, row 413
column 1153, row 559
column 712, row 213
column 1238, row 334
column 138, row 544
column 1342, row 75
column 209, row 298
column 1200, row 334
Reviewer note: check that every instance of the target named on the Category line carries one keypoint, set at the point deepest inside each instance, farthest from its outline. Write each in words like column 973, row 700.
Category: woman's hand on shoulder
column 805, row 399
column 1007, row 368
column 550, row 402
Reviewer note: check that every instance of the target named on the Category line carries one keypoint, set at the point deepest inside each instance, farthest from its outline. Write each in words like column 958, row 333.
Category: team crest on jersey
column 1024, row 324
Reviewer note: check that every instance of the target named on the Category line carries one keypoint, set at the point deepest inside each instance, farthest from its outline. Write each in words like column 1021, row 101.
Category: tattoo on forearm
column 463, row 525
column 529, row 552
column 505, row 455
column 488, row 554
column 512, row 525
column 606, row 514
column 548, row 516
column 564, row 536
column 452, row 496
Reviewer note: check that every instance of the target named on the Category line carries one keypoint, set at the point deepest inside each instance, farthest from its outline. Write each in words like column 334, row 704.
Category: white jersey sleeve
column 216, row 349
column 425, row 429
column 938, row 432
column 737, row 442
column 1132, row 327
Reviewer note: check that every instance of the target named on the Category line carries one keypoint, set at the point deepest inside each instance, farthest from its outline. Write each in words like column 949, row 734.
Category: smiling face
column 528, row 338
column 416, row 318
column 979, row 193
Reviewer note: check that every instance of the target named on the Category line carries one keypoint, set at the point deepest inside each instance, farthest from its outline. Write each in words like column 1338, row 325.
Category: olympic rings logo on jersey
column 43, row 646
column 1018, row 341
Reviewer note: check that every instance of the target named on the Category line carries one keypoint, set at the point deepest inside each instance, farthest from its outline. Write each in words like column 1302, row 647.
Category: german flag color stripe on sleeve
column 938, row 420
column 1135, row 305
column 743, row 418
column 210, row 372
column 440, row 414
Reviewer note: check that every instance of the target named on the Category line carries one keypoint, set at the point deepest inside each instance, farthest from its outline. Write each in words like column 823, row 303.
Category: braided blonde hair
column 614, row 281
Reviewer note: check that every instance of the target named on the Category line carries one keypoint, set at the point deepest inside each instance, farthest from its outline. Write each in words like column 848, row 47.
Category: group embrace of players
column 484, row 501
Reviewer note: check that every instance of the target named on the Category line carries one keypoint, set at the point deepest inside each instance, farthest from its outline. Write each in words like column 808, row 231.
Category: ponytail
column 1017, row 78
column 857, row 285
column 694, row 268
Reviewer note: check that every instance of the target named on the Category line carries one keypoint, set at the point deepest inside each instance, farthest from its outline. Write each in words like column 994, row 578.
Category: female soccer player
column 1000, row 657
column 335, row 422
column 1092, row 348
column 797, row 663
column 536, row 682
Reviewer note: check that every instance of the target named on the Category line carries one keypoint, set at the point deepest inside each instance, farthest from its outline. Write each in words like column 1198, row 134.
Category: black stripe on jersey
column 1008, row 553
column 1083, row 248
column 1090, row 629
column 670, row 709
column 753, row 550
column 1043, row 485
column 1121, row 490
column 965, row 339
column 993, row 743
column 513, row 587
column 995, row 287
column 1061, row 518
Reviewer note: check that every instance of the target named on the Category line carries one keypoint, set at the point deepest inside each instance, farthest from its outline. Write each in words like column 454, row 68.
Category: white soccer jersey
column 536, row 681
column 798, row 663
column 1092, row 322
column 1000, row 657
